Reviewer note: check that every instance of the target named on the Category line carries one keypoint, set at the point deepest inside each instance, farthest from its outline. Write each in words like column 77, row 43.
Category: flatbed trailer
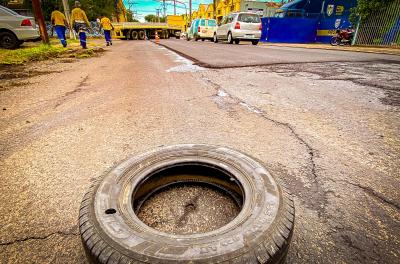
column 135, row 30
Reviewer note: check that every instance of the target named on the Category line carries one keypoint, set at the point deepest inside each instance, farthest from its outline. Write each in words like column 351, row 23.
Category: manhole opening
column 188, row 199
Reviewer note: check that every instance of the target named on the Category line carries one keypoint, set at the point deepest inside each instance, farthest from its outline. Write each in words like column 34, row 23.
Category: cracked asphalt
column 326, row 122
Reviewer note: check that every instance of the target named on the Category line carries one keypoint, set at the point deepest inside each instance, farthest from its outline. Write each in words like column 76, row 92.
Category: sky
column 145, row 7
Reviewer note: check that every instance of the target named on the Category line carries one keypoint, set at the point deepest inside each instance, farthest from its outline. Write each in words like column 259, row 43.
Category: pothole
column 181, row 206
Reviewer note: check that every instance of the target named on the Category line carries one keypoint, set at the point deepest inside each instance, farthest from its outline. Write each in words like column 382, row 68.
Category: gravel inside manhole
column 188, row 209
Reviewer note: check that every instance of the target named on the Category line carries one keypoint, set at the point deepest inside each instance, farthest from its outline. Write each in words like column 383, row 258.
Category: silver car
column 239, row 26
column 15, row 29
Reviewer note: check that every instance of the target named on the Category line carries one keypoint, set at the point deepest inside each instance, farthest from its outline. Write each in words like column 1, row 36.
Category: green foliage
column 93, row 8
column 154, row 18
column 22, row 55
column 129, row 16
column 365, row 8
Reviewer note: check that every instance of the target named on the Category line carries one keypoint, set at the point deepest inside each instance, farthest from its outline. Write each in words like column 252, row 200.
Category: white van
column 202, row 28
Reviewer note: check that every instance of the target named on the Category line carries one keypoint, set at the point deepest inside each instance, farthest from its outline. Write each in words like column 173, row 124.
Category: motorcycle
column 343, row 37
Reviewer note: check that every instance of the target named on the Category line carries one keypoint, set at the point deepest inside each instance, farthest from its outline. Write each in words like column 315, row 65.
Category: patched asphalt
column 224, row 55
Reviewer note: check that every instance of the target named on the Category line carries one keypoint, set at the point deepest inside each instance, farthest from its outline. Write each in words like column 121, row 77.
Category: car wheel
column 237, row 41
column 215, row 38
column 111, row 231
column 230, row 39
column 254, row 42
column 187, row 38
column 8, row 40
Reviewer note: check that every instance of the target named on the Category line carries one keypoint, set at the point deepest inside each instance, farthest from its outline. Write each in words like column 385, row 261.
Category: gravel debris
column 188, row 209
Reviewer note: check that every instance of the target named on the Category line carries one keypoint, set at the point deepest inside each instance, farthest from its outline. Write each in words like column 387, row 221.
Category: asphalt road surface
column 326, row 122
column 222, row 55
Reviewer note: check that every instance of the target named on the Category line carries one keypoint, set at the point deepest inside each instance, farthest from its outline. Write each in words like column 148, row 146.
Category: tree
column 93, row 8
column 154, row 18
column 129, row 16
column 365, row 8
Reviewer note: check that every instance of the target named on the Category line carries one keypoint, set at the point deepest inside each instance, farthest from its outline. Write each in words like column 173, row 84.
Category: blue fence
column 289, row 30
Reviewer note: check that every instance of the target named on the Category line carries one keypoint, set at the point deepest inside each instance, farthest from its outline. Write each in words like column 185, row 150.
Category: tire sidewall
column 230, row 38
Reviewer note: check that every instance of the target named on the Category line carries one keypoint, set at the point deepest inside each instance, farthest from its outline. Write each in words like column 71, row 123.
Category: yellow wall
column 201, row 12
column 224, row 7
column 210, row 11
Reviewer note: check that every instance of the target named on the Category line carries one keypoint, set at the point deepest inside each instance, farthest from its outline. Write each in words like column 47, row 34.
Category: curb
column 336, row 49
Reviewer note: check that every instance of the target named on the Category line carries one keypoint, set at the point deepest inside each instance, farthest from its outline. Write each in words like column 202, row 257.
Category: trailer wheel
column 134, row 35
column 141, row 35
column 111, row 231
column 164, row 34
column 125, row 35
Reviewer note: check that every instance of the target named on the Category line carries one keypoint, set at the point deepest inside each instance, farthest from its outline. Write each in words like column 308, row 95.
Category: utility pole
column 68, row 17
column 40, row 19
column 165, row 8
column 158, row 10
column 215, row 9
column 190, row 11
column 174, row 7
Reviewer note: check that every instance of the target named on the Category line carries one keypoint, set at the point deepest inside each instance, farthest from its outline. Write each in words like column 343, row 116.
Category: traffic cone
column 157, row 38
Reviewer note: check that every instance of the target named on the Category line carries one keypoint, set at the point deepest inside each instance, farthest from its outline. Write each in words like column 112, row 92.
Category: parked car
column 239, row 26
column 15, row 29
column 202, row 29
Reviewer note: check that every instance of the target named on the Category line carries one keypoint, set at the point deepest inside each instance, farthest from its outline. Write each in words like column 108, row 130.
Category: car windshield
column 212, row 23
column 5, row 10
column 249, row 18
column 203, row 23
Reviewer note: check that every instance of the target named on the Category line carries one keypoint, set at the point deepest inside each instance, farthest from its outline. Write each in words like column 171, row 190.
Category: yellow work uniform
column 79, row 16
column 106, row 23
column 57, row 18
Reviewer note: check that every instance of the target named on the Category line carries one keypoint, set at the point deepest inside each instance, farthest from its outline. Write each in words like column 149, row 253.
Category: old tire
column 112, row 233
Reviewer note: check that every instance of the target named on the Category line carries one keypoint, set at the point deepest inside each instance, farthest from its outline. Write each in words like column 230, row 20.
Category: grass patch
column 38, row 52
column 22, row 55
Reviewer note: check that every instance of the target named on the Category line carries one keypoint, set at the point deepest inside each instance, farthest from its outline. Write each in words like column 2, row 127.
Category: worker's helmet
column 77, row 4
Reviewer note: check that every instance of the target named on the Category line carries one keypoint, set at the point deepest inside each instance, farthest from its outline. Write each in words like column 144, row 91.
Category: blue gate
column 292, row 30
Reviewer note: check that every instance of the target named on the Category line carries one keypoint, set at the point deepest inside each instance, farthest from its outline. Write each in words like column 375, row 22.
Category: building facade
column 224, row 7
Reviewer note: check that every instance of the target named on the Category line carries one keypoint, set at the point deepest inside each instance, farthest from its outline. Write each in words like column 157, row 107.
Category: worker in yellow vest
column 79, row 21
column 60, row 23
column 105, row 24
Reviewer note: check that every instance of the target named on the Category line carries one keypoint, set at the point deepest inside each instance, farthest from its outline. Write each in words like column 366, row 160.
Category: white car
column 15, row 29
column 239, row 26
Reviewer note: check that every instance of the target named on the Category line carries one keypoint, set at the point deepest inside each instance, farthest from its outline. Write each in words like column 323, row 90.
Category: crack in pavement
column 44, row 237
column 78, row 88
column 222, row 93
column 315, row 185
column 371, row 192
